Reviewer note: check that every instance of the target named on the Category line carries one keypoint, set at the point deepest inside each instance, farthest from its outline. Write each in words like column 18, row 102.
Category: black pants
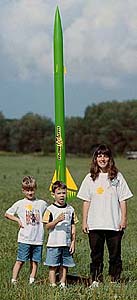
column 97, row 240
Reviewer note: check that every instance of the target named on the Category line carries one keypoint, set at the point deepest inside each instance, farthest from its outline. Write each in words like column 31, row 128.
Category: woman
column 104, row 192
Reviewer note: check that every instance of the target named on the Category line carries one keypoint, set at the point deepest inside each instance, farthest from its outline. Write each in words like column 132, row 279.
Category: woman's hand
column 85, row 228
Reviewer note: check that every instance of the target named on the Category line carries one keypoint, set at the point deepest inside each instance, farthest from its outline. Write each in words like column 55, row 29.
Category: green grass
column 13, row 168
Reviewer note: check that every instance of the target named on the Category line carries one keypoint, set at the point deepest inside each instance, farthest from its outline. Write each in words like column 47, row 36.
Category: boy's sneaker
column 31, row 280
column 13, row 281
column 53, row 285
column 95, row 284
column 62, row 285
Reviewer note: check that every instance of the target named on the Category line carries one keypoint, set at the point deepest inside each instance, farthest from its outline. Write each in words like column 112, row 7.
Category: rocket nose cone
column 57, row 10
column 57, row 26
column 57, row 16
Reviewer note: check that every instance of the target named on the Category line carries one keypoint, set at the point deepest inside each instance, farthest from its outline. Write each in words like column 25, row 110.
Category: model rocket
column 59, row 99
column 61, row 172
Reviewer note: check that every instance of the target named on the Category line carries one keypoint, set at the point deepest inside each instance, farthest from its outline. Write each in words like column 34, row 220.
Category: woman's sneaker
column 31, row 280
column 95, row 284
column 13, row 281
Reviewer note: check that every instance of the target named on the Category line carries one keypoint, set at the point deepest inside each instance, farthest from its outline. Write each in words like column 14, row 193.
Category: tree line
column 114, row 123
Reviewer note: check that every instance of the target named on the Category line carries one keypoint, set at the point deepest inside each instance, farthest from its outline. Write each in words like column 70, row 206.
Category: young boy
column 60, row 220
column 28, row 214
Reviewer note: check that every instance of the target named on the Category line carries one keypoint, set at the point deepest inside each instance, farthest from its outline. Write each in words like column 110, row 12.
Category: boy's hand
column 72, row 247
column 15, row 219
column 52, row 224
column 20, row 223
column 60, row 218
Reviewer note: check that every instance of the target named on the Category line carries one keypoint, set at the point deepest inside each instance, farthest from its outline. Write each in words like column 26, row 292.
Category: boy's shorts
column 29, row 252
column 59, row 256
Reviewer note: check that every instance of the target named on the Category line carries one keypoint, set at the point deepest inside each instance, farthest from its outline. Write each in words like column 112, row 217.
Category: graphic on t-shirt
column 32, row 215
column 100, row 190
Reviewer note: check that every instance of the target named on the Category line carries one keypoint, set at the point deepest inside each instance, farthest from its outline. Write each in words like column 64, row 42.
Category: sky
column 100, row 54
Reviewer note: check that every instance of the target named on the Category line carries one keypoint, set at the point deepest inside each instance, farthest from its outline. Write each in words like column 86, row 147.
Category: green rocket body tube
column 59, row 99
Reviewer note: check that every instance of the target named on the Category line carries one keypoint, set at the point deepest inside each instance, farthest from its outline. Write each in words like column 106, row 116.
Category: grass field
column 13, row 168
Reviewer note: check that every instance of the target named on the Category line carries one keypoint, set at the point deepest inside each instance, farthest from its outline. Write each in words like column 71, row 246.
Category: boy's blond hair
column 28, row 182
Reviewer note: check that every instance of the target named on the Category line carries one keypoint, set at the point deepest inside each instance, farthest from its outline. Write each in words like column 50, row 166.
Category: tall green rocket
column 61, row 172
column 59, row 99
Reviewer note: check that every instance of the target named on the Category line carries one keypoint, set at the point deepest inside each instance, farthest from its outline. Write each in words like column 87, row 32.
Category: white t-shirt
column 104, row 196
column 60, row 235
column 30, row 213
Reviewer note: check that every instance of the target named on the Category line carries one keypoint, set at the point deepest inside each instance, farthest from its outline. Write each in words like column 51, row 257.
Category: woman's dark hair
column 95, row 170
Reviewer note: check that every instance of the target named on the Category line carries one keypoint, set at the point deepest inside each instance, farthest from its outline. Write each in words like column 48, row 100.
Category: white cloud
column 99, row 38
column 102, row 41
column 25, row 36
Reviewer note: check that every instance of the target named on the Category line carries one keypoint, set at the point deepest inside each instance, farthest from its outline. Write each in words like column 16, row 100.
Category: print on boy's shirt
column 100, row 190
column 32, row 216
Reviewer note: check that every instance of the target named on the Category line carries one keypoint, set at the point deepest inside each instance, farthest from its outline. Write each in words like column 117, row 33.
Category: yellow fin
column 71, row 185
column 70, row 181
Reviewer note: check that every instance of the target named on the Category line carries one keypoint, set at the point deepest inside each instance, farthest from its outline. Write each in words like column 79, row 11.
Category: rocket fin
column 53, row 180
column 70, row 181
column 71, row 185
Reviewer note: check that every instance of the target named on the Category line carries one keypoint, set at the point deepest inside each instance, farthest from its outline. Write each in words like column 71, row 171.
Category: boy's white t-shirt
column 104, row 196
column 60, row 235
column 30, row 213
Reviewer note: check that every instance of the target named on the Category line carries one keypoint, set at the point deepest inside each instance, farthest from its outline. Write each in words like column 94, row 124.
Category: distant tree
column 29, row 134
column 4, row 133
column 114, row 123
column 48, row 144
column 14, row 136
column 75, row 130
